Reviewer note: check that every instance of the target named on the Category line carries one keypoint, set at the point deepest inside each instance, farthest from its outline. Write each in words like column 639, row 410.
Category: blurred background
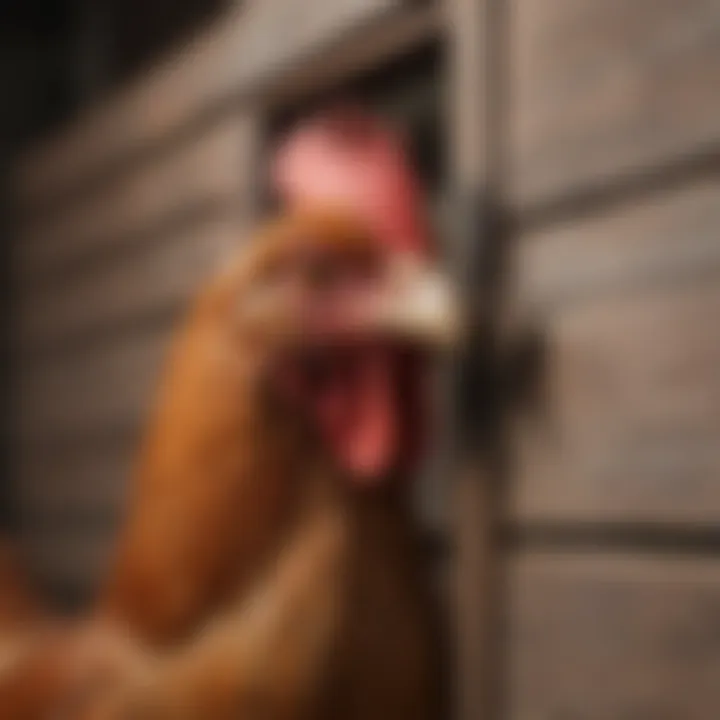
column 571, row 150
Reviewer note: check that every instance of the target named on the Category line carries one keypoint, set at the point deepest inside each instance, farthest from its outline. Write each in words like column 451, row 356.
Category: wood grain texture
column 627, row 421
column 470, row 473
column 92, row 391
column 203, row 175
column 244, row 48
column 400, row 32
column 596, row 637
column 98, row 288
column 602, row 88
column 627, row 414
column 159, row 273
column 665, row 238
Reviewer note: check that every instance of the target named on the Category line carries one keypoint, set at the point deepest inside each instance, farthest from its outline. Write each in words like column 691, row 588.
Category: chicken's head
column 340, row 297
column 344, row 326
column 367, row 298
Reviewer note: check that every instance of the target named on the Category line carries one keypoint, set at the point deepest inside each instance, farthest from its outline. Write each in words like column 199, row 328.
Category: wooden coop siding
column 620, row 287
column 627, row 418
column 99, row 284
column 183, row 182
column 601, row 89
column 613, row 499
column 598, row 636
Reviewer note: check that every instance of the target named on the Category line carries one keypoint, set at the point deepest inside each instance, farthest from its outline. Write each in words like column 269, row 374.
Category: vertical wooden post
column 476, row 456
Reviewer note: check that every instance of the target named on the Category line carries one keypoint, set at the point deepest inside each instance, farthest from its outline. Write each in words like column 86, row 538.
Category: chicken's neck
column 213, row 489
column 224, row 471
column 378, row 522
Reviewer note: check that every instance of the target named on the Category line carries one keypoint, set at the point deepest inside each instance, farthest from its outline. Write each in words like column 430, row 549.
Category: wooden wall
column 99, row 283
column 583, row 141
column 612, row 173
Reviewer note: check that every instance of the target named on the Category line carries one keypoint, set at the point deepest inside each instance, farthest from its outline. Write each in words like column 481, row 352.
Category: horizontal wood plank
column 75, row 478
column 159, row 272
column 412, row 26
column 250, row 46
column 196, row 179
column 606, row 88
column 76, row 561
column 625, row 422
column 667, row 238
column 93, row 392
column 595, row 637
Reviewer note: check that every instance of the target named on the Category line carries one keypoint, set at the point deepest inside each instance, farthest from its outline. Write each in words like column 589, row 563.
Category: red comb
column 346, row 157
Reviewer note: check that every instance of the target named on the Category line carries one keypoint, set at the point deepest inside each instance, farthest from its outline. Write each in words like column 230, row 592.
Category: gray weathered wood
column 366, row 48
column 91, row 340
column 90, row 392
column 204, row 174
column 663, row 239
column 627, row 421
column 602, row 88
column 85, row 474
column 601, row 637
column 627, row 416
column 156, row 274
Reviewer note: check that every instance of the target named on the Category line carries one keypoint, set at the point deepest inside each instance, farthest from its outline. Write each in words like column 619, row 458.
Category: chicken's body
column 293, row 634
column 210, row 490
column 387, row 659
column 338, row 627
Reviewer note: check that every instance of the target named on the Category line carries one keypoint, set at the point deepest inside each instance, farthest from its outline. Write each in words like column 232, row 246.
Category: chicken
column 46, row 659
column 338, row 623
column 271, row 492
column 213, row 481
column 330, row 312
column 56, row 670
column 36, row 665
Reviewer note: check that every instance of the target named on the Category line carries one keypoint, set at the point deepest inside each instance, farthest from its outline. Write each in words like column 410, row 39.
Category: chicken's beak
column 420, row 305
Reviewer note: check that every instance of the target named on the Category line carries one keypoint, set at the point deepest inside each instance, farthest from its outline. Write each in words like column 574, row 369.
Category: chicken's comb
column 349, row 158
